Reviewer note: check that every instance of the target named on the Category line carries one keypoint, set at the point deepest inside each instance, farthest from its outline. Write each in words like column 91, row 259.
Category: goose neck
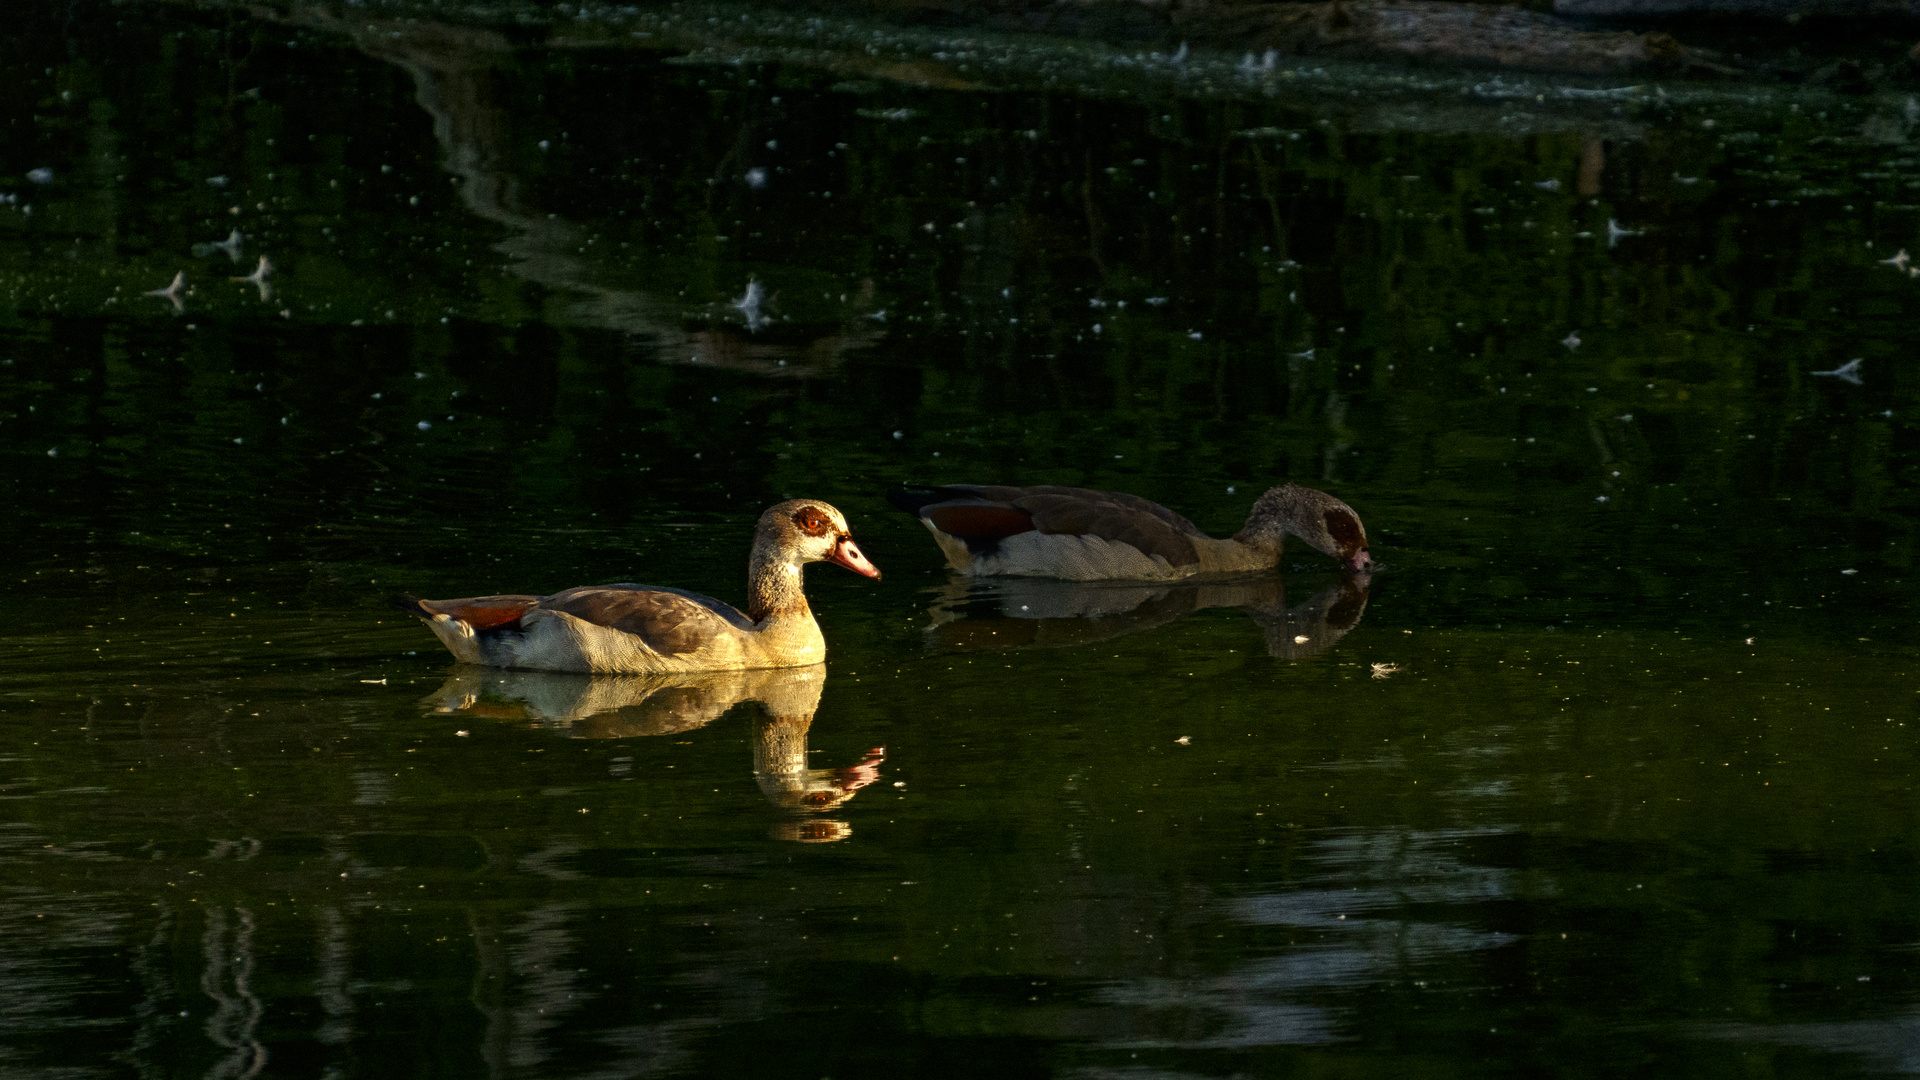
column 774, row 587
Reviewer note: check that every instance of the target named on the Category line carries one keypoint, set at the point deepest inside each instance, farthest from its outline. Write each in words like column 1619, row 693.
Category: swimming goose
column 1083, row 535
column 653, row 629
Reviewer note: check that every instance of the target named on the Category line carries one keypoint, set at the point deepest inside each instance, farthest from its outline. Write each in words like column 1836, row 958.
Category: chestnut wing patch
column 981, row 526
column 483, row 613
column 983, row 515
column 672, row 622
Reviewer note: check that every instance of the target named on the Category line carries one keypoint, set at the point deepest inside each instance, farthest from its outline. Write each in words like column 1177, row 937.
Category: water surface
column 1629, row 792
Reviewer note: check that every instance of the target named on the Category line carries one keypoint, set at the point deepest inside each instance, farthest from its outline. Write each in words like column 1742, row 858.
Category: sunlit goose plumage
column 652, row 629
column 1083, row 535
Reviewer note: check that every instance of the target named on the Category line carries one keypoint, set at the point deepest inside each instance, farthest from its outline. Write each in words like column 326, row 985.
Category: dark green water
column 1638, row 800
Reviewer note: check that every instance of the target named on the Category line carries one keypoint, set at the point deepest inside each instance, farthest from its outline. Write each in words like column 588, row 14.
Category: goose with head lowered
column 652, row 629
column 1083, row 535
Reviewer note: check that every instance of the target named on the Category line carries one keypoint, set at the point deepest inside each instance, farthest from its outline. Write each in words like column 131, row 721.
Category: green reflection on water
column 1633, row 793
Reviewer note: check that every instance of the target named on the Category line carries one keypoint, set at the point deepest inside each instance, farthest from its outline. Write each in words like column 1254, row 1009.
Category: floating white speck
column 173, row 292
column 1849, row 371
column 261, row 272
column 425, row 425
column 756, row 178
column 1849, row 572
column 749, row 305
column 40, row 176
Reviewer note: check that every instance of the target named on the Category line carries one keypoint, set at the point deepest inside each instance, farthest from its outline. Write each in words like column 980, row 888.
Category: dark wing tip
column 913, row 497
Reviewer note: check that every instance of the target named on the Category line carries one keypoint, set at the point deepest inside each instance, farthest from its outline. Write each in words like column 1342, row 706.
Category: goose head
column 1324, row 522
column 808, row 530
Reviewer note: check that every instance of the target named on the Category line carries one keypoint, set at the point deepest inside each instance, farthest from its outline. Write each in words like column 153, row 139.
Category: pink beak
column 1361, row 562
column 847, row 554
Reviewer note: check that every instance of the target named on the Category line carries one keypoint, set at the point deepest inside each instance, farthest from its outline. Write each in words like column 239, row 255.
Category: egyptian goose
column 653, row 629
column 1083, row 535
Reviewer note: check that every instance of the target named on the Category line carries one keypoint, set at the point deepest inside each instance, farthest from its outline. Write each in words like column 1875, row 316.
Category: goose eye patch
column 811, row 521
column 1345, row 530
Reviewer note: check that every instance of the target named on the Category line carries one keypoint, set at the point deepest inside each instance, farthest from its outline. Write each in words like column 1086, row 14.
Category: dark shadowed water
column 1609, row 772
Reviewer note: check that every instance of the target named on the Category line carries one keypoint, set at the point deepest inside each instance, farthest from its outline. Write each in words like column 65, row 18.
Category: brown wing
column 1118, row 501
column 479, row 612
column 984, row 514
column 1126, row 519
column 670, row 621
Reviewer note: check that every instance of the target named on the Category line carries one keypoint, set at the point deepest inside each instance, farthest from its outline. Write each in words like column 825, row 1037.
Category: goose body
column 653, row 629
column 1083, row 535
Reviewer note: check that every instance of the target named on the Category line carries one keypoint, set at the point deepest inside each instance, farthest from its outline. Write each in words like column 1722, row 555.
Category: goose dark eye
column 811, row 521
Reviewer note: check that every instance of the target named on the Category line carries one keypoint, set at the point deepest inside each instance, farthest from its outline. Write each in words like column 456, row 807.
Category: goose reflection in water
column 633, row 706
column 1042, row 613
